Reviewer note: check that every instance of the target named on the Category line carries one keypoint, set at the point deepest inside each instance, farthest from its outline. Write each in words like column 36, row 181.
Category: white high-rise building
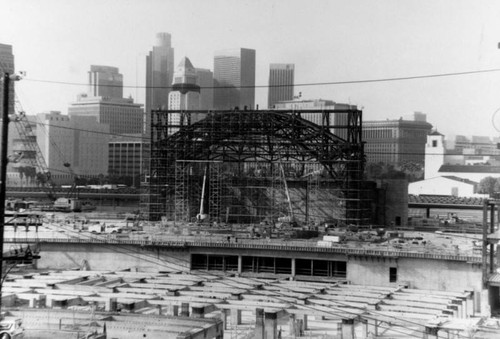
column 78, row 141
column 185, row 94
column 122, row 115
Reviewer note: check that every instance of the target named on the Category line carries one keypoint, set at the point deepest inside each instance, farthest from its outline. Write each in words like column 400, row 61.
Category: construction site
column 253, row 224
column 298, row 167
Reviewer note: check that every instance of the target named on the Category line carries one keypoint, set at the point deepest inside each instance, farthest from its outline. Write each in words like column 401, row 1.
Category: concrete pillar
column 484, row 307
column 240, row 264
column 454, row 309
column 198, row 312
column 32, row 302
column 50, row 302
column 470, row 304
column 235, row 317
column 110, row 305
column 372, row 327
column 223, row 314
column 458, row 303
column 42, row 301
column 291, row 325
column 347, row 329
column 294, row 269
column 259, row 323
column 305, row 326
column 184, row 310
column 431, row 332
column 270, row 325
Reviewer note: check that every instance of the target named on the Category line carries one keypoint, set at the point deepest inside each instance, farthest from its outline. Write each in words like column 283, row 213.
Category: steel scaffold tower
column 251, row 157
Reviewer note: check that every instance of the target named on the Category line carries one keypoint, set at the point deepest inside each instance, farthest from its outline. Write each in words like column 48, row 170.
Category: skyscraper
column 281, row 80
column 81, row 141
column 105, row 81
column 206, row 83
column 234, row 78
column 7, row 65
column 121, row 114
column 185, row 93
column 159, row 75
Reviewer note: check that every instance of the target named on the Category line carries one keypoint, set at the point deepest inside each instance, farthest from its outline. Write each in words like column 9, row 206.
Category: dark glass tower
column 281, row 81
column 234, row 78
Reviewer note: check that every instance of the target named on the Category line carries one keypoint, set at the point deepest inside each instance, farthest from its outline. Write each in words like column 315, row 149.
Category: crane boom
column 33, row 161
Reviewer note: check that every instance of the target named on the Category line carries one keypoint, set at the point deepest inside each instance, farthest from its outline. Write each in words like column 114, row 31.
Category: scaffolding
column 258, row 165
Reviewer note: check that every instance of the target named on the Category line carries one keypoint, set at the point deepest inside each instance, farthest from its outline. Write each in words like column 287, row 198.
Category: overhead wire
column 325, row 83
column 322, row 84
column 143, row 137
column 311, row 84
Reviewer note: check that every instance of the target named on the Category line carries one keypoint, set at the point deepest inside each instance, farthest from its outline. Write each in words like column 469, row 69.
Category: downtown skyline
column 328, row 41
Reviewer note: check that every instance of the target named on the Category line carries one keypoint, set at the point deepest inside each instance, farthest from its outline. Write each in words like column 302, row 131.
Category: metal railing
column 199, row 241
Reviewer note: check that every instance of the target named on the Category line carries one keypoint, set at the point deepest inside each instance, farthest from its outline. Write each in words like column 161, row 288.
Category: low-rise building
column 444, row 185
column 396, row 142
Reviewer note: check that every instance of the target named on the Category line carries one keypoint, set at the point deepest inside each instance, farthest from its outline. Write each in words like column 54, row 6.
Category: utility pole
column 3, row 170
column 7, row 78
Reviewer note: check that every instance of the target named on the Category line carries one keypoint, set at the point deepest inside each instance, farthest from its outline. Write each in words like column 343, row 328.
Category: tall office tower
column 125, row 157
column 105, row 81
column 185, row 94
column 234, row 78
column 7, row 66
column 206, row 83
column 281, row 80
column 159, row 75
column 76, row 140
column 121, row 114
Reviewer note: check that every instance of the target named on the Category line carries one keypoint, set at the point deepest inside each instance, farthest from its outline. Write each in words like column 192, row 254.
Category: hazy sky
column 327, row 40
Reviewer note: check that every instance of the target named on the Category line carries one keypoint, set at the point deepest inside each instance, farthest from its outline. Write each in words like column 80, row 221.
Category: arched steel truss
column 239, row 138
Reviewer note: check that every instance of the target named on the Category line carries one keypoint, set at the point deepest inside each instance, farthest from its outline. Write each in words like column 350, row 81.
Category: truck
column 11, row 328
column 95, row 228
column 67, row 205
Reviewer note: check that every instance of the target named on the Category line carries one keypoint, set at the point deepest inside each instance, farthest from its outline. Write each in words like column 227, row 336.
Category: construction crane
column 73, row 192
column 33, row 163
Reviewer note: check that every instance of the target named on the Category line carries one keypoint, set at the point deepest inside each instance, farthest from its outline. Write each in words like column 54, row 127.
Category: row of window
column 308, row 267
column 274, row 265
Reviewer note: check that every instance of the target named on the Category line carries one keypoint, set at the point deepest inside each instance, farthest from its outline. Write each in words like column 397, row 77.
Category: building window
column 393, row 274
column 434, row 143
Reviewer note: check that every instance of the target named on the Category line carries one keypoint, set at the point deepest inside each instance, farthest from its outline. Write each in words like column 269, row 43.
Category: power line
column 327, row 83
column 143, row 137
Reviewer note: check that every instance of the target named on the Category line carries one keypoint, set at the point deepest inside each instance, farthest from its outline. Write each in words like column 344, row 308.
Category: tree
column 489, row 185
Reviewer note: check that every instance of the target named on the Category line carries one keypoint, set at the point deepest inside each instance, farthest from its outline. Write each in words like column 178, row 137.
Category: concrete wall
column 418, row 273
column 440, row 274
column 110, row 257
column 364, row 270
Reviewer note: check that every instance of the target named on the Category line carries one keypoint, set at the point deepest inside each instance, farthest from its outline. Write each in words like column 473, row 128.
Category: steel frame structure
column 252, row 148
